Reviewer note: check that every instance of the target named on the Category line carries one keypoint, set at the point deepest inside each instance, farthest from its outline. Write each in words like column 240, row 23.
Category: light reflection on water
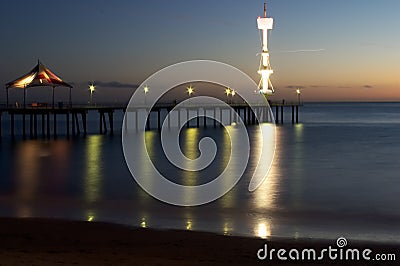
column 143, row 224
column 263, row 229
column 191, row 151
column 27, row 167
column 31, row 178
column 87, row 179
column 93, row 175
column 265, row 195
column 298, row 150
column 228, row 200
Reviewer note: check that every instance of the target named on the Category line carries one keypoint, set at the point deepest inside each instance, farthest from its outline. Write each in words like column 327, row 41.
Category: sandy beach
column 34, row 241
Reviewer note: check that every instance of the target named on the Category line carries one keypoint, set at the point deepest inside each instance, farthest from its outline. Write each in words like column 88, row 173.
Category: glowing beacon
column 265, row 24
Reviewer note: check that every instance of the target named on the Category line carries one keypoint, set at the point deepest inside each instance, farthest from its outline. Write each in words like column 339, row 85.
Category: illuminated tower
column 265, row 24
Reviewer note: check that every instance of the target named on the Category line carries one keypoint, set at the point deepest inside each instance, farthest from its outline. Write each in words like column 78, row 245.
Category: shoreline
column 42, row 241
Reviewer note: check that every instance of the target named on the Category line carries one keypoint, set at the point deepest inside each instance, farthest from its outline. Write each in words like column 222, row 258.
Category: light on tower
column 92, row 88
column 265, row 24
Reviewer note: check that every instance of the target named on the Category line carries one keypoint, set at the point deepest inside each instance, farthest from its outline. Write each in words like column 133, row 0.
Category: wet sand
column 34, row 241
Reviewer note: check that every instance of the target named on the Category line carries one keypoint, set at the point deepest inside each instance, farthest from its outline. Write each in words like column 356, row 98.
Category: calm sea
column 335, row 174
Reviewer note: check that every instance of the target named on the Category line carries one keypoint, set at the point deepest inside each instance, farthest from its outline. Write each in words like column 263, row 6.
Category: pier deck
column 76, row 117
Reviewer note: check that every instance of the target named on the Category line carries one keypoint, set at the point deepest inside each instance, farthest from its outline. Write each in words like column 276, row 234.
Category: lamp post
column 227, row 92
column 190, row 91
column 298, row 91
column 145, row 90
column 233, row 93
column 92, row 88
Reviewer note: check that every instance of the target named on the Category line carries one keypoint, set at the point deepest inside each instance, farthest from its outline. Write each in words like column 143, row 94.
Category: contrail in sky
column 300, row 51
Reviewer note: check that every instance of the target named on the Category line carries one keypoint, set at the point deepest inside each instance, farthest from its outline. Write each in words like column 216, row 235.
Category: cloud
column 344, row 87
column 318, row 86
column 294, row 87
column 115, row 84
column 355, row 87
column 300, row 51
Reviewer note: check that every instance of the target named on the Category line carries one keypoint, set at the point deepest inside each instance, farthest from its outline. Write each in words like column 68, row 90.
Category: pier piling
column 43, row 125
column 215, row 117
column 23, row 126
column 220, row 116
column 198, row 118
column 105, row 123
column 12, row 126
column 159, row 119
column 187, row 118
column 111, row 122
column 101, row 124
column 84, row 124
column 67, row 124
column 78, row 130
column 31, row 126
column 205, row 118
column 148, row 119
column 292, row 114
column 48, row 125
column 73, row 124
column 169, row 119
column 55, row 125
column 35, row 127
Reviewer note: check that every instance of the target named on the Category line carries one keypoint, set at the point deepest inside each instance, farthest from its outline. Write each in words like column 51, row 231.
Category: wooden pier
column 76, row 118
column 47, row 119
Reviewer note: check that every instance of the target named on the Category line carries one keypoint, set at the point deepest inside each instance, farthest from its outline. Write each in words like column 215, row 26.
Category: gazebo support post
column 53, row 97
column 7, row 96
column 70, row 97
column 24, row 97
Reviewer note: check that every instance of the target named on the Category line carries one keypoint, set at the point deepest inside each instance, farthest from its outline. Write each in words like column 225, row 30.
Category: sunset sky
column 355, row 44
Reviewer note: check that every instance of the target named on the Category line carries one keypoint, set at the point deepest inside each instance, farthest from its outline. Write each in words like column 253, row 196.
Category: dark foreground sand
column 56, row 242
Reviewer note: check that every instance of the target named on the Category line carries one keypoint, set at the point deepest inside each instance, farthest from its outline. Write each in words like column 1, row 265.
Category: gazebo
column 39, row 76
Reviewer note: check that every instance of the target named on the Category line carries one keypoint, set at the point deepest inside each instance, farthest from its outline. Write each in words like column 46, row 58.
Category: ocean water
column 337, row 173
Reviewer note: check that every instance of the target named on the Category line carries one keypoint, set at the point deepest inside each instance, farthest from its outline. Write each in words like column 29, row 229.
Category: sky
column 334, row 50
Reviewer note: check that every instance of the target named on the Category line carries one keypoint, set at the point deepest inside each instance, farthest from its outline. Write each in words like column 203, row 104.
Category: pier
column 41, row 122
